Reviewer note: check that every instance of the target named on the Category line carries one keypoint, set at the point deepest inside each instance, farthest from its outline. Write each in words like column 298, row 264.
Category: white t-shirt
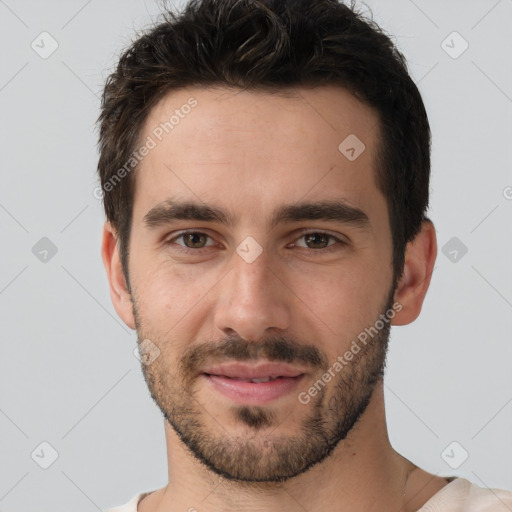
column 460, row 495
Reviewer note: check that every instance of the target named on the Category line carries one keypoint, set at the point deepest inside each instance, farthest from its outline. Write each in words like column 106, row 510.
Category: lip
column 252, row 393
column 232, row 380
column 237, row 370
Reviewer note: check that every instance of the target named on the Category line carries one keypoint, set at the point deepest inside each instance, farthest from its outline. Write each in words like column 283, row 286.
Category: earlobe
column 412, row 287
column 121, row 298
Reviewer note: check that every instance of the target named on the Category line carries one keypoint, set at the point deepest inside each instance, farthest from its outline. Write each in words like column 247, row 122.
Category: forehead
column 254, row 146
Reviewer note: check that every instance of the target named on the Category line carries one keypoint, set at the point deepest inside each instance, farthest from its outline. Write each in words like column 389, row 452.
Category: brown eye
column 194, row 240
column 317, row 240
column 191, row 240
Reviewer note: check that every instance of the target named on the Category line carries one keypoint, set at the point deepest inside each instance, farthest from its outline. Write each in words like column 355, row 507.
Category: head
column 264, row 95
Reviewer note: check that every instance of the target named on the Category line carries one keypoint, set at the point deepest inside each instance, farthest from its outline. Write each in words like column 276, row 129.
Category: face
column 261, row 249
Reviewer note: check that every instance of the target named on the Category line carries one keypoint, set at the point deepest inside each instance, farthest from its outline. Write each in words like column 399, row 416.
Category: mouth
column 254, row 385
column 254, row 381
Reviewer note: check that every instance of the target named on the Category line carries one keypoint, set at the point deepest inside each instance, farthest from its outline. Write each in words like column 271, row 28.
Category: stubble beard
column 264, row 451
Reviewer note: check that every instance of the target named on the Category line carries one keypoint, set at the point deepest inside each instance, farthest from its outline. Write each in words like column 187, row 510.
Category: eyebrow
column 169, row 211
column 337, row 211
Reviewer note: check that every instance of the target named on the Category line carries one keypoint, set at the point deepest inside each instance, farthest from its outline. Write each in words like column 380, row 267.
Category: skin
column 250, row 153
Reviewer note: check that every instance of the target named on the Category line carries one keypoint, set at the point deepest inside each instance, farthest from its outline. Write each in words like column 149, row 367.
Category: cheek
column 169, row 295
column 334, row 298
column 344, row 298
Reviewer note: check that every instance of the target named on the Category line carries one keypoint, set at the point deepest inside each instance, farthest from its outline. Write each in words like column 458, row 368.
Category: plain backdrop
column 68, row 375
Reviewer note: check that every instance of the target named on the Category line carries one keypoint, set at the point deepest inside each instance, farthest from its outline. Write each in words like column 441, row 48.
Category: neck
column 363, row 473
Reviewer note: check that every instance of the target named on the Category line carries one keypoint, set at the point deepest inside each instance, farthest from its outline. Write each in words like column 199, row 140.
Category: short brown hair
column 271, row 45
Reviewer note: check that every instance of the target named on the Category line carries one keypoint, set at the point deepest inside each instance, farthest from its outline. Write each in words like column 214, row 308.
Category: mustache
column 275, row 349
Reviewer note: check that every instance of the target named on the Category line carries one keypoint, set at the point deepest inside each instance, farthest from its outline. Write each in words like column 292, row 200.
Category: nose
column 252, row 301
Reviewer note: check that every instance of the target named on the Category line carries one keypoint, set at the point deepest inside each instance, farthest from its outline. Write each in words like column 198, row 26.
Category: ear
column 412, row 287
column 119, row 293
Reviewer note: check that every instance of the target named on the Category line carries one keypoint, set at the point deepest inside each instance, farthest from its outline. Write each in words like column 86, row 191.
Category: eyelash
column 324, row 250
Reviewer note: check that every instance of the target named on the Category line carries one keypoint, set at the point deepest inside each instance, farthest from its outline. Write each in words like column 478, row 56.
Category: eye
column 192, row 240
column 318, row 240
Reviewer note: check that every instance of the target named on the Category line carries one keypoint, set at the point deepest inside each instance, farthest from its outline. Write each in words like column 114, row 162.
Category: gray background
column 68, row 373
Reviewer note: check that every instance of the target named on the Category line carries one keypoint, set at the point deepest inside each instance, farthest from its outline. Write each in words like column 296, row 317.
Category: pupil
column 195, row 239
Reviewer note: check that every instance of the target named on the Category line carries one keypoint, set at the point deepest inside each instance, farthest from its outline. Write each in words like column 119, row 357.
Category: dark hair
column 270, row 45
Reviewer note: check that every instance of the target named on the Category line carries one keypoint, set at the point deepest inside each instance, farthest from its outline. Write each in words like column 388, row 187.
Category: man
column 265, row 169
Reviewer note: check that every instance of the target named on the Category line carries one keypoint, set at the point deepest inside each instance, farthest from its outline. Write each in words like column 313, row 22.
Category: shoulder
column 131, row 506
column 461, row 495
